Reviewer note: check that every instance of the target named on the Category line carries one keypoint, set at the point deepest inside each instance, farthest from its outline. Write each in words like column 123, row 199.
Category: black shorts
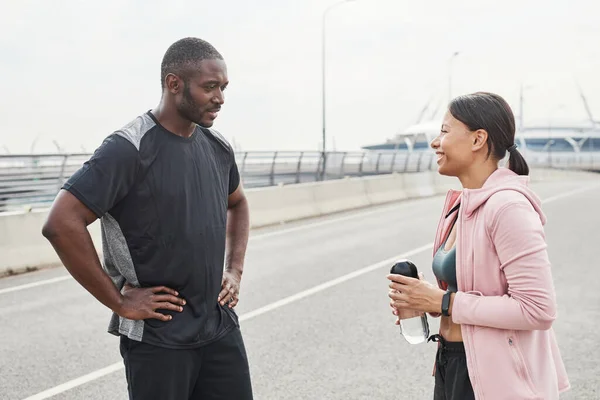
column 451, row 375
column 216, row 371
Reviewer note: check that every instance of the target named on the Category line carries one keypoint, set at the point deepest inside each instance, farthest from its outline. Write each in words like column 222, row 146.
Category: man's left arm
column 238, row 229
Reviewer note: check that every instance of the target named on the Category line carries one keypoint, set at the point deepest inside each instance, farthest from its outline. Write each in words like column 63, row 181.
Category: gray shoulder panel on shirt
column 135, row 130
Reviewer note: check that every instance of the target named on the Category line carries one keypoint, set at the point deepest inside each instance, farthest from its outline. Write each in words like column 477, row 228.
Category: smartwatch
column 446, row 303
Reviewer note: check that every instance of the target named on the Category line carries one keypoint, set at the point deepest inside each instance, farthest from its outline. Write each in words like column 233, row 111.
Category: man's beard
column 188, row 107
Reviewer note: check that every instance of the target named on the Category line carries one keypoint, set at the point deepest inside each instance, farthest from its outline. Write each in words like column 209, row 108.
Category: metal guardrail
column 32, row 181
column 285, row 167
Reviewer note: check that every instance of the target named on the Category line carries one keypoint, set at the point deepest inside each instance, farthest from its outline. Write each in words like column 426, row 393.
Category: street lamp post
column 323, row 102
column 552, row 142
column 456, row 53
column 521, row 99
column 521, row 109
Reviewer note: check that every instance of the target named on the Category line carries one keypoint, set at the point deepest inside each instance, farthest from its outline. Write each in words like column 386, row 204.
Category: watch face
column 445, row 303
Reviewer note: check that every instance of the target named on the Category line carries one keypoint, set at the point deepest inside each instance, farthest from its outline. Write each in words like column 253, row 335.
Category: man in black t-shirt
column 167, row 190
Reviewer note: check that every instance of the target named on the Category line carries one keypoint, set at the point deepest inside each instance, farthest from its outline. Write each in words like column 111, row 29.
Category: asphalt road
column 314, row 310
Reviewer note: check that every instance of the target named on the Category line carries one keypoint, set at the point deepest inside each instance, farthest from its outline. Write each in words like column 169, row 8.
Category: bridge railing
column 32, row 181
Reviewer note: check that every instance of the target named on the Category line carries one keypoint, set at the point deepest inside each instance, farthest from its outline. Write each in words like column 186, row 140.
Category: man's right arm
column 101, row 183
column 66, row 229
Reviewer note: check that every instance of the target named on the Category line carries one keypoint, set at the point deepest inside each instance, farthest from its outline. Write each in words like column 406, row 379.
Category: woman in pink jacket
column 495, row 292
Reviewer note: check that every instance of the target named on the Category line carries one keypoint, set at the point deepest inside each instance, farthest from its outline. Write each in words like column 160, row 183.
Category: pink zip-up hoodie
column 506, row 301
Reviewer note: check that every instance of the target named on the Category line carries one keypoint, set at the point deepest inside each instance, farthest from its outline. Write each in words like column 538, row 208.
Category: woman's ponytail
column 516, row 161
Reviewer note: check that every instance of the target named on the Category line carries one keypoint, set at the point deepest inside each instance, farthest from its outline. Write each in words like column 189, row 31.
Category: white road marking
column 244, row 317
column 326, row 222
column 326, row 285
column 569, row 194
column 77, row 382
column 295, row 229
column 273, row 306
column 252, row 237
column 35, row 284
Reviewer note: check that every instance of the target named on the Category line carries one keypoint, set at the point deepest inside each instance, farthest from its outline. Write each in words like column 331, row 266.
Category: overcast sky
column 74, row 71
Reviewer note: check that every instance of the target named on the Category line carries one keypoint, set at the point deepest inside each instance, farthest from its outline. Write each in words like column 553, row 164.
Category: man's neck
column 169, row 118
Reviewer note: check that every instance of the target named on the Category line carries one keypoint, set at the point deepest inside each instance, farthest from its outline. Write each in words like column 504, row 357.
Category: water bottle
column 415, row 329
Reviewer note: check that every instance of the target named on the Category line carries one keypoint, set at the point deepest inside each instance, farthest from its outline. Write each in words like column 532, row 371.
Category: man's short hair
column 183, row 54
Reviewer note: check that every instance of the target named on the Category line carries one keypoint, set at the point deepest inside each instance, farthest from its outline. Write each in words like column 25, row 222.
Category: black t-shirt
column 162, row 200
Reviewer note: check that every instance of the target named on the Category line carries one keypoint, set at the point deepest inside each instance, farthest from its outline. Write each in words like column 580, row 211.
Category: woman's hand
column 410, row 294
column 404, row 313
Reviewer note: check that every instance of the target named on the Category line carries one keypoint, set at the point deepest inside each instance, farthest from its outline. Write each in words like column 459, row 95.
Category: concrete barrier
column 386, row 188
column 281, row 204
column 275, row 204
column 345, row 194
column 553, row 174
column 23, row 247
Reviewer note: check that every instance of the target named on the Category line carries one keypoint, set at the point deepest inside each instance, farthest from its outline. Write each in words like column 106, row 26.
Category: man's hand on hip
column 230, row 289
column 142, row 303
